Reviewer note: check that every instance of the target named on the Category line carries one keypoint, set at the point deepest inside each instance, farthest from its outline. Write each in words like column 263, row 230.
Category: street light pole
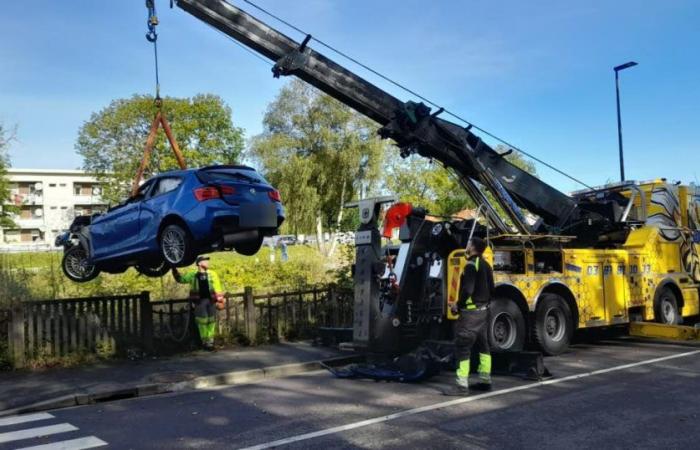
column 619, row 118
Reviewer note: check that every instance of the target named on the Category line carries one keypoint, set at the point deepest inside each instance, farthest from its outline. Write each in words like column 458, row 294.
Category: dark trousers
column 470, row 331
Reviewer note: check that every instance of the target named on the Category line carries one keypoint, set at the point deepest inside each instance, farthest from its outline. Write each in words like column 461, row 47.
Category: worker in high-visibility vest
column 205, row 293
column 471, row 328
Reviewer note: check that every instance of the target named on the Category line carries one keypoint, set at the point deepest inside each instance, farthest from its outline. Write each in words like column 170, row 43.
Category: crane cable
column 152, row 37
column 159, row 119
column 412, row 92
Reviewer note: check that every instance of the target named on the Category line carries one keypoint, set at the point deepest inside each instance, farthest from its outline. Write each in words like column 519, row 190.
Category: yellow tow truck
column 648, row 272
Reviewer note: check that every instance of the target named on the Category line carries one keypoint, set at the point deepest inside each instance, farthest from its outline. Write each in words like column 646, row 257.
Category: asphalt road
column 612, row 394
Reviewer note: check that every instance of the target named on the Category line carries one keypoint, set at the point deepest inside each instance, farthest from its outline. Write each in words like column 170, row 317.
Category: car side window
column 141, row 193
column 165, row 185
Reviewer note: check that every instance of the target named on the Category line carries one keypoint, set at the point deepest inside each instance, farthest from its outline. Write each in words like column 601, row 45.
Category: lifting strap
column 158, row 120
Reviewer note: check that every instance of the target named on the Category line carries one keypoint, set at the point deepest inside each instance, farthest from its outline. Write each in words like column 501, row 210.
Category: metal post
column 619, row 126
column 617, row 69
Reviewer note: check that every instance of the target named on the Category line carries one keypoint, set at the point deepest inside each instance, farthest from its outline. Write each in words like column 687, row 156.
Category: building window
column 84, row 189
column 64, row 207
column 54, row 207
column 52, row 184
column 31, row 235
column 11, row 236
column 62, row 184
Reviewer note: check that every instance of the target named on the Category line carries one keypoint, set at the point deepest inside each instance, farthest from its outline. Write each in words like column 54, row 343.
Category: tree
column 6, row 211
column 112, row 141
column 428, row 184
column 319, row 153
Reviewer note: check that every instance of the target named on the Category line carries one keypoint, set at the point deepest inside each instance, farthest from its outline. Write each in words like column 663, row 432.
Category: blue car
column 174, row 217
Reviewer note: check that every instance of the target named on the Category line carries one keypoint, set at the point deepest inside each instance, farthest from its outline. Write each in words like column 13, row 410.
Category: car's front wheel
column 176, row 246
column 77, row 266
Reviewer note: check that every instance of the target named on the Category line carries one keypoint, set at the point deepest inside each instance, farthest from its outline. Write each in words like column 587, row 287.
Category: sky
column 536, row 73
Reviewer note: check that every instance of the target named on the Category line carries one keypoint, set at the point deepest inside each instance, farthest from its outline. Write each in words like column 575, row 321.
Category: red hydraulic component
column 395, row 217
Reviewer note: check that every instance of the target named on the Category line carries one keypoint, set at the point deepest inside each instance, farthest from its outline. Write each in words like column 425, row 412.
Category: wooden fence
column 114, row 324
column 96, row 324
column 259, row 318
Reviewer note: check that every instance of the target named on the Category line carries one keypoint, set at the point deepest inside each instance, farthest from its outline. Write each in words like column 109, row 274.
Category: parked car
column 174, row 217
column 288, row 239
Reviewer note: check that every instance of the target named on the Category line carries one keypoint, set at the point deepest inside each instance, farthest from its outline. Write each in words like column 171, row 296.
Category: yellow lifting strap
column 158, row 121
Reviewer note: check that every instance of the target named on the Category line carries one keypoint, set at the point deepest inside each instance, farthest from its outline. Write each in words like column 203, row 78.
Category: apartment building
column 48, row 202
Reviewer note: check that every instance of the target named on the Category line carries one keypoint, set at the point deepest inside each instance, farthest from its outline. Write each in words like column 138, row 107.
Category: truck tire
column 176, row 246
column 507, row 329
column 553, row 325
column 76, row 267
column 666, row 307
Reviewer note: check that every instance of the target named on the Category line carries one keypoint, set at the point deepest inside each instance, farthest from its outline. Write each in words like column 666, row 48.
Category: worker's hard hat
column 201, row 258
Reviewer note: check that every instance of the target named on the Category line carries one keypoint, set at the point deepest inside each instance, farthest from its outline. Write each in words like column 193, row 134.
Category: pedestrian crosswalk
column 36, row 432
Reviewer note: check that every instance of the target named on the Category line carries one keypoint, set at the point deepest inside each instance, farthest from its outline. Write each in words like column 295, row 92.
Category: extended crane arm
column 411, row 125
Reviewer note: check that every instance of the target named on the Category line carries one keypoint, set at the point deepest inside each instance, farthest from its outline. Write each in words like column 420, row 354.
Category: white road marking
column 459, row 401
column 35, row 432
column 14, row 420
column 73, row 444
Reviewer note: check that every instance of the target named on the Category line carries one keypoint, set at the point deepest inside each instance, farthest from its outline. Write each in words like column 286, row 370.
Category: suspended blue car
column 174, row 217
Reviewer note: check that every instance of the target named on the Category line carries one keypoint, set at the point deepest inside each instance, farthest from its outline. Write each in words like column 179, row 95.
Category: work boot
column 462, row 384
column 457, row 388
column 484, row 383
column 485, row 378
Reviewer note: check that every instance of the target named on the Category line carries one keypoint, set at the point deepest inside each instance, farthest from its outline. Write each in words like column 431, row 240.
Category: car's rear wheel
column 249, row 248
column 77, row 266
column 176, row 246
column 152, row 270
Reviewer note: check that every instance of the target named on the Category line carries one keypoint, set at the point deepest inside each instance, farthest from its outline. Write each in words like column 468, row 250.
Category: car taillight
column 275, row 196
column 227, row 190
column 206, row 193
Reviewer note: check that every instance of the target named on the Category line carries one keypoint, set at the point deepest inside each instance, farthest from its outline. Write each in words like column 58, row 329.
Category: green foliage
column 430, row 185
column 38, row 276
column 319, row 153
column 14, row 281
column 112, row 141
column 427, row 184
column 6, row 211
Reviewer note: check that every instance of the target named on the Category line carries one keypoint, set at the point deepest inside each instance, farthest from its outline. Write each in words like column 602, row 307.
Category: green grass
column 31, row 276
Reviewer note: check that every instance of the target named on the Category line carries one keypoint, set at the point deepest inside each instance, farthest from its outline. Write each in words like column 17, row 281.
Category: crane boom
column 413, row 126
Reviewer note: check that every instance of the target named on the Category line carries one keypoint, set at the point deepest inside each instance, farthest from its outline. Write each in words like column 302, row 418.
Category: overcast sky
column 538, row 73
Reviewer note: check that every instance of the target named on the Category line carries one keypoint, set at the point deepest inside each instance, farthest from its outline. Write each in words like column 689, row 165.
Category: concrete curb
column 203, row 382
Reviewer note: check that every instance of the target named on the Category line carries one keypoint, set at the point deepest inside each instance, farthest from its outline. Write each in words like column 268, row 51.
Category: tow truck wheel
column 553, row 325
column 507, row 331
column 76, row 266
column 176, row 246
column 666, row 310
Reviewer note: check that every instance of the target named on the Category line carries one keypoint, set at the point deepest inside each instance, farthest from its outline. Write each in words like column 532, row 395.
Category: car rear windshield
column 229, row 174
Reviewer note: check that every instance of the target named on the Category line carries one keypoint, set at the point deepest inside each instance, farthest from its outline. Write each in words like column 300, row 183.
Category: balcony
column 30, row 223
column 88, row 200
